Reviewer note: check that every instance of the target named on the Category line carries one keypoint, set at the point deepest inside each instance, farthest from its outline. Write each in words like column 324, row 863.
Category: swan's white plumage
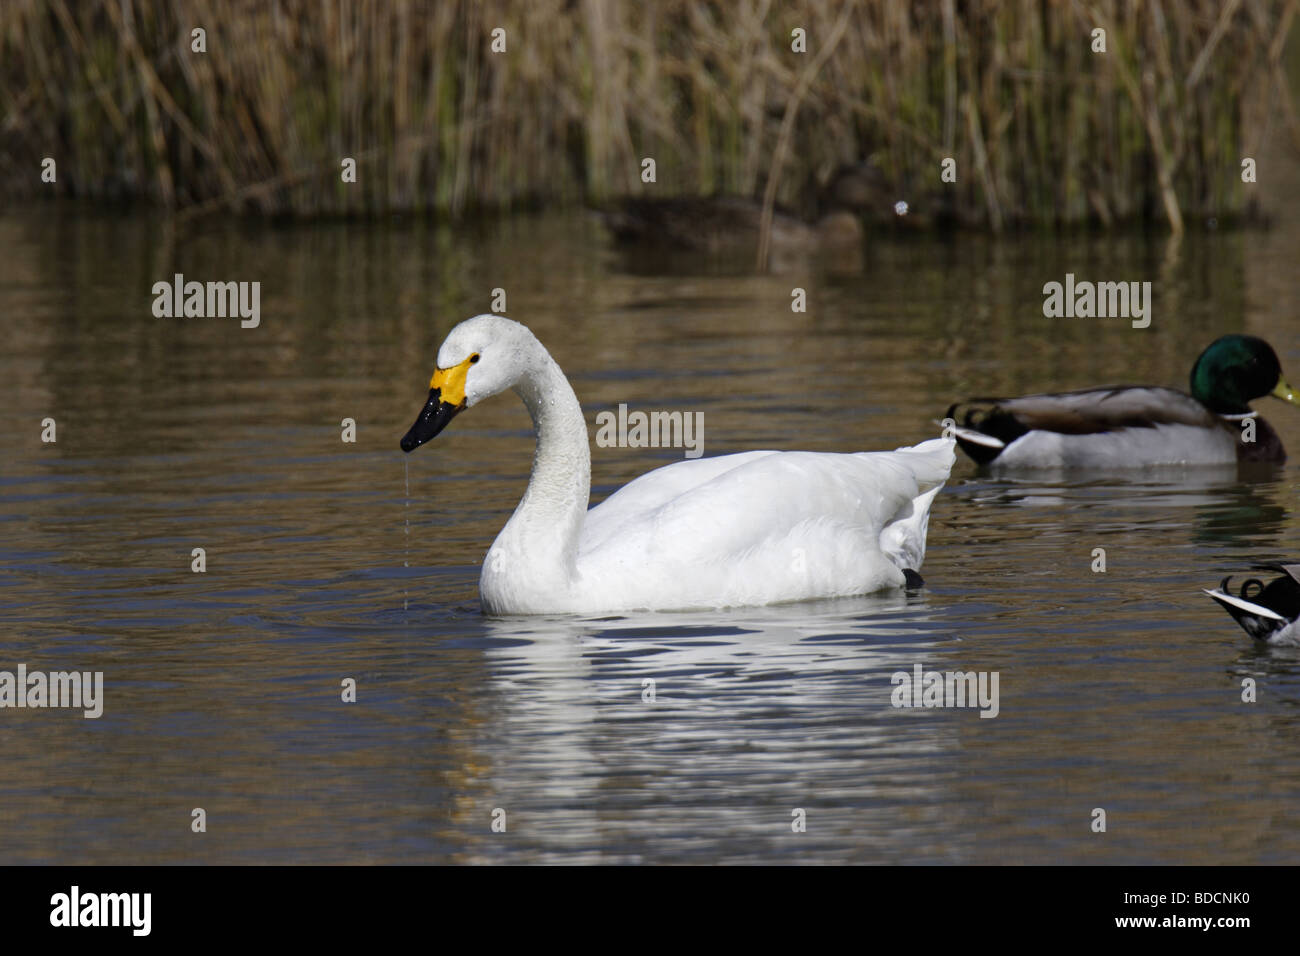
column 753, row 528
column 763, row 527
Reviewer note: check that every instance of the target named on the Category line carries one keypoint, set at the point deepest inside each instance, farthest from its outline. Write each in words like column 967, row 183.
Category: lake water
column 1119, row 690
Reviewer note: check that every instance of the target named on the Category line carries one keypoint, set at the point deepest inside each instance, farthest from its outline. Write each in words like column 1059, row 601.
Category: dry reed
column 1043, row 130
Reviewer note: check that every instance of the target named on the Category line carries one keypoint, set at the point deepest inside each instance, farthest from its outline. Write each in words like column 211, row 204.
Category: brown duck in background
column 718, row 224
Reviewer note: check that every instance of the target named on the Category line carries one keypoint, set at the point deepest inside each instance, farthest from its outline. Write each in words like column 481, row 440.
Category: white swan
column 755, row 528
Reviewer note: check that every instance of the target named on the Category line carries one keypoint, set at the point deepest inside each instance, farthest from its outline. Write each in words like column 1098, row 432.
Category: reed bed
column 1042, row 129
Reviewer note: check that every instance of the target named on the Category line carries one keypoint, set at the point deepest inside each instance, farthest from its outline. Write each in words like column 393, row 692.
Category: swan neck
column 546, row 526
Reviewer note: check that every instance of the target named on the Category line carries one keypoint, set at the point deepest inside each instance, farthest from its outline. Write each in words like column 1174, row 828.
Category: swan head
column 480, row 357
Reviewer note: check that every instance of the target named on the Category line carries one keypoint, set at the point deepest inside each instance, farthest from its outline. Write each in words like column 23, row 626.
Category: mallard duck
column 1267, row 613
column 732, row 223
column 1136, row 426
column 754, row 528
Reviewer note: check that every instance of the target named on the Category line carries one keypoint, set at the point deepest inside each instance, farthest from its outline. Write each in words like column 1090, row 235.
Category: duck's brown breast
column 1267, row 446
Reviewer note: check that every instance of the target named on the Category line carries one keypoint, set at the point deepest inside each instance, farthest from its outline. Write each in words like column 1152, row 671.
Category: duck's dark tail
column 983, row 429
column 1261, row 610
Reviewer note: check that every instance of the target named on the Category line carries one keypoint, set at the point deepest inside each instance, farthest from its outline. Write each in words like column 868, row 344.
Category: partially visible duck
column 721, row 223
column 732, row 223
column 1136, row 426
column 1268, row 613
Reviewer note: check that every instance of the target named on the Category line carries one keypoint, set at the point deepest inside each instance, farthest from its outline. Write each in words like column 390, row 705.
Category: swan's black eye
column 473, row 358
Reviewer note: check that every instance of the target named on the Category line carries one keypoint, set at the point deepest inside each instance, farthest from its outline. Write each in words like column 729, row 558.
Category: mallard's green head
column 1236, row 369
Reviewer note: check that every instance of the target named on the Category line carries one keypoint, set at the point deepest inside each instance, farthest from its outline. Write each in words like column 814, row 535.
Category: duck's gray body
column 1116, row 427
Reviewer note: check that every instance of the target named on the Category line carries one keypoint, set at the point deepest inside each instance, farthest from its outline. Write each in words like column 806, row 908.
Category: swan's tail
column 903, row 539
column 930, row 461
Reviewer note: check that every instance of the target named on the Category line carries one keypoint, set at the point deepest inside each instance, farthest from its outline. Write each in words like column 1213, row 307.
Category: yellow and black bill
column 446, row 400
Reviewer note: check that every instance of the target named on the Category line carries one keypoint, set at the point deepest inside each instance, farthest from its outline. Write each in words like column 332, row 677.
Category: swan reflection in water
column 687, row 730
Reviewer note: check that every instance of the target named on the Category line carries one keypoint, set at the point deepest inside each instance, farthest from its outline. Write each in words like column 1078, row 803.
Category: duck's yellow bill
column 1286, row 392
